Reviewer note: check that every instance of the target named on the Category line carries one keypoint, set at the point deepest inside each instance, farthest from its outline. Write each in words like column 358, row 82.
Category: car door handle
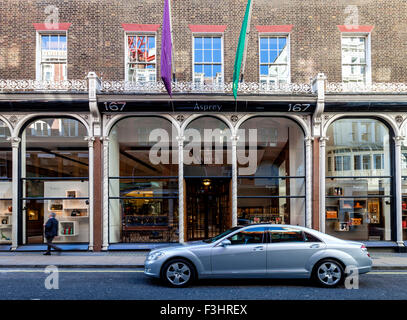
column 259, row 248
column 315, row 245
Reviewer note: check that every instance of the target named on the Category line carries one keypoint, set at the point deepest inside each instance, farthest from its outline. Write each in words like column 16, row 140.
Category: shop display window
column 143, row 193
column 54, row 178
column 358, row 202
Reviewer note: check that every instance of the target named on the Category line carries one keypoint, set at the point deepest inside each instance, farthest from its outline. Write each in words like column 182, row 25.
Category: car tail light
column 364, row 249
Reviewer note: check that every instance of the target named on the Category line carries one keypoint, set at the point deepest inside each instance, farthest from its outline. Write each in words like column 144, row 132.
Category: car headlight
column 155, row 255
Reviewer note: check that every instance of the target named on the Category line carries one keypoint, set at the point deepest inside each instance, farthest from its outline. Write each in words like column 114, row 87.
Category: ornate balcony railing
column 191, row 87
column 244, row 88
column 376, row 87
column 35, row 85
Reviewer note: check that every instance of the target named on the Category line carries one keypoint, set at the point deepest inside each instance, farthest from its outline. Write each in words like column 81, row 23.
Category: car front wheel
column 328, row 273
column 178, row 273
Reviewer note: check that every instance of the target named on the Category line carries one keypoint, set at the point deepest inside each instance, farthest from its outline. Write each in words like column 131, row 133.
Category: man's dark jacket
column 51, row 228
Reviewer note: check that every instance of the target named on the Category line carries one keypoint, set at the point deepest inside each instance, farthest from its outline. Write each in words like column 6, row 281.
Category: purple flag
column 166, row 49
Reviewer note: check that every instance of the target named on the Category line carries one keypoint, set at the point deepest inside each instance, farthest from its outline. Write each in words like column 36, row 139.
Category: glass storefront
column 207, row 178
column 143, row 181
column 358, row 180
column 5, row 185
column 54, row 178
column 271, row 174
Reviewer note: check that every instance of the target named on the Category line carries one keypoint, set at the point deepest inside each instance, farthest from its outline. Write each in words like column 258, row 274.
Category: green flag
column 240, row 50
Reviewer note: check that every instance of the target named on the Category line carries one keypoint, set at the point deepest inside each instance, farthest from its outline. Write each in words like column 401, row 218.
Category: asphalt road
column 123, row 284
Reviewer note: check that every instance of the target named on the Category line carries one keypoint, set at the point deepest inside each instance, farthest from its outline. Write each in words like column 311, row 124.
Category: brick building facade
column 78, row 142
column 96, row 35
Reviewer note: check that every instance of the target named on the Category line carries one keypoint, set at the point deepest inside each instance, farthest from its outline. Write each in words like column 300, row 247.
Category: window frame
column 368, row 64
column 222, row 63
column 276, row 34
column 126, row 52
column 38, row 51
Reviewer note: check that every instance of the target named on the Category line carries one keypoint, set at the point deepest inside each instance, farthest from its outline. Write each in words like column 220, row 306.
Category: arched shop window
column 5, row 185
column 207, row 178
column 54, row 178
column 358, row 180
column 143, row 181
column 272, row 188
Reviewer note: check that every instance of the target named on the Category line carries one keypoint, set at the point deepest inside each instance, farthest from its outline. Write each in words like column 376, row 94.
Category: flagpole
column 246, row 40
column 241, row 49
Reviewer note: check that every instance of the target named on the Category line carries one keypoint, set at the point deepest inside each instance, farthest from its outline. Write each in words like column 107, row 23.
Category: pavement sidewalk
column 381, row 261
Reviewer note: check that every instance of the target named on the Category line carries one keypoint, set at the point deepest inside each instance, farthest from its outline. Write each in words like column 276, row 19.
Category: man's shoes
column 47, row 253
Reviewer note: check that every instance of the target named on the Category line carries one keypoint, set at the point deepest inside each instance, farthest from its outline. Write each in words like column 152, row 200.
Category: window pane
column 264, row 56
column 346, row 163
column 264, row 70
column 271, row 187
column 278, row 235
column 264, row 43
column 359, row 218
column 271, row 210
column 250, row 236
column 360, row 139
column 143, row 188
column 273, row 55
column 357, row 165
column 198, row 55
column 338, row 163
column 282, row 43
column 217, row 70
column 45, row 41
column 54, row 42
column 198, row 43
column 198, row 68
column 355, row 187
column 207, row 43
column 310, row 238
column 217, row 43
column 217, row 56
column 273, row 45
column 62, row 42
column 366, row 164
column 208, row 71
column 207, row 55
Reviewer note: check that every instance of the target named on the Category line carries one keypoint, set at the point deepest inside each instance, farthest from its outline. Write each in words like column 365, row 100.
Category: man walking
column 51, row 231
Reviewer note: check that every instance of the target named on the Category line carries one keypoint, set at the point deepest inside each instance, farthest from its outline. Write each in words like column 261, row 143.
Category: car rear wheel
column 178, row 273
column 328, row 273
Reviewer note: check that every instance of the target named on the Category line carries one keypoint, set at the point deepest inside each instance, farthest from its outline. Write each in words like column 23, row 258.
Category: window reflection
column 275, row 191
column 358, row 182
column 54, row 176
column 143, row 196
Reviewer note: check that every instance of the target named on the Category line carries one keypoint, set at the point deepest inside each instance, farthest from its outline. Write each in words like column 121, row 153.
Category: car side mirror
column 225, row 243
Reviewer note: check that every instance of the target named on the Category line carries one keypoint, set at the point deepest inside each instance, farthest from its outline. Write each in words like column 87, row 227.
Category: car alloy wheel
column 178, row 273
column 329, row 273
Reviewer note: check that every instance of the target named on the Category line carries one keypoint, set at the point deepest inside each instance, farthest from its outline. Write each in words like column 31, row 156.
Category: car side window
column 310, row 238
column 283, row 234
column 249, row 236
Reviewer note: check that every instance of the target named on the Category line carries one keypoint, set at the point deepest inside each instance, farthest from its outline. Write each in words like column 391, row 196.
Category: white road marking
column 68, row 271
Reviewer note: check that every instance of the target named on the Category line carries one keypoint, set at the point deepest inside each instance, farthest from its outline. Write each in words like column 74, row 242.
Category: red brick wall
column 96, row 41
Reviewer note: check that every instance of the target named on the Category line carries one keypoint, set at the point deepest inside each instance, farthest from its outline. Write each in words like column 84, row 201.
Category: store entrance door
column 34, row 217
column 208, row 210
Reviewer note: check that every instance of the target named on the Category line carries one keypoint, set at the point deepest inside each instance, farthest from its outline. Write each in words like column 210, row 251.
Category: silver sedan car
column 260, row 251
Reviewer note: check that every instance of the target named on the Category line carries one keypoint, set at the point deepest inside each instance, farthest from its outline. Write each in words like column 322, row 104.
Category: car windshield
column 219, row 236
